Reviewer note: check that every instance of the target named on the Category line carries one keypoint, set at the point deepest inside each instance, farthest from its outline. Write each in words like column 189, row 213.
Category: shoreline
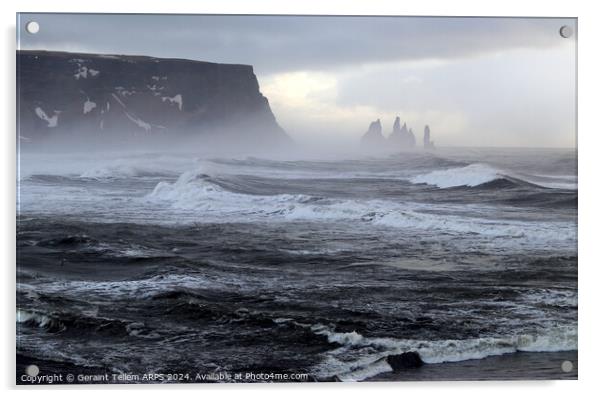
column 515, row 366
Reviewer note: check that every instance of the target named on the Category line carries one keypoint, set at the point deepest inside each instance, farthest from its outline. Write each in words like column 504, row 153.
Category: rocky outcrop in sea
column 401, row 138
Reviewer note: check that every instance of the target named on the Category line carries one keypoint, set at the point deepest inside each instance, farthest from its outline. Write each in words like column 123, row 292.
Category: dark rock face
column 407, row 360
column 400, row 137
column 128, row 98
column 373, row 139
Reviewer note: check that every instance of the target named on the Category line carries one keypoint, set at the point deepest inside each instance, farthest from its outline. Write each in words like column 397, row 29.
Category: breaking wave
column 372, row 352
column 483, row 175
column 202, row 198
column 196, row 190
column 470, row 176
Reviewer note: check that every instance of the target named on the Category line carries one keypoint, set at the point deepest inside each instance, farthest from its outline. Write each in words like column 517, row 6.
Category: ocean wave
column 466, row 226
column 122, row 171
column 67, row 241
column 190, row 188
column 361, row 357
column 395, row 167
column 145, row 288
column 203, row 199
column 196, row 190
column 486, row 176
column 35, row 318
column 62, row 322
column 470, row 176
column 86, row 244
column 568, row 182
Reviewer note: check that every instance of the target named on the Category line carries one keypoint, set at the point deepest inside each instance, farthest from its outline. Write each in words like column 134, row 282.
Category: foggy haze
column 475, row 81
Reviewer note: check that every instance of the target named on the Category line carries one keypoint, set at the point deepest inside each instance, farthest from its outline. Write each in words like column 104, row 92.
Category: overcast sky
column 475, row 81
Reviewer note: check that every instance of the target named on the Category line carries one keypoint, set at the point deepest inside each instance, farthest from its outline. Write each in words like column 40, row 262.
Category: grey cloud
column 522, row 97
column 276, row 44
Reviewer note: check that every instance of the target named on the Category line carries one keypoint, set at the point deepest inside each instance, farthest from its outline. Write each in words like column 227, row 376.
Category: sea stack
column 411, row 139
column 373, row 139
column 428, row 144
column 400, row 136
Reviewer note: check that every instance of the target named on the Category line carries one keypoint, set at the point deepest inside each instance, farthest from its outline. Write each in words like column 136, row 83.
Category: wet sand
column 517, row 366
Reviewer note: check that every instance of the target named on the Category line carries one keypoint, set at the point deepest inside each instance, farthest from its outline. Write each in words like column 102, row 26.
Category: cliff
column 121, row 98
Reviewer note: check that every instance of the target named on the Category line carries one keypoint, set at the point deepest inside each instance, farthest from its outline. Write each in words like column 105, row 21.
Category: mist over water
column 147, row 260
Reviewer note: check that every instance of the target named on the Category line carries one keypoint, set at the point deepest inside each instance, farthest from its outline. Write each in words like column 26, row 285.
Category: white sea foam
column 196, row 197
column 561, row 338
column 202, row 199
column 210, row 194
column 479, row 173
column 188, row 191
column 470, row 176
column 39, row 319
column 365, row 371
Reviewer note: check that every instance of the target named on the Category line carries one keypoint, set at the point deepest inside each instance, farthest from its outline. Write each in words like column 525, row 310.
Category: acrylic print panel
column 295, row 198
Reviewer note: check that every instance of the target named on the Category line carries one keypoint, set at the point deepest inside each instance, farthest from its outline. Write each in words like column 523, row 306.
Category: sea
column 207, row 268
